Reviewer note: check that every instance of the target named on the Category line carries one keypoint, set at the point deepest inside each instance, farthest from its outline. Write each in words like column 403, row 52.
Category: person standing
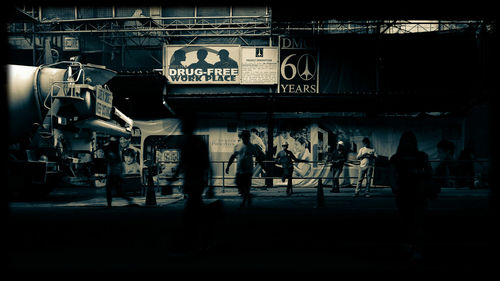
column 411, row 176
column 194, row 164
column 367, row 156
column 244, row 151
column 338, row 159
column 444, row 172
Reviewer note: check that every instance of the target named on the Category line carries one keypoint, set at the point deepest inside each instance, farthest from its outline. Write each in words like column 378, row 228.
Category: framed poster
column 259, row 65
column 71, row 44
column 202, row 64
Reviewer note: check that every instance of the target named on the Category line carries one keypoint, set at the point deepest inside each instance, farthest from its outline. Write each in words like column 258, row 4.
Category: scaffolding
column 380, row 26
column 260, row 25
column 117, row 29
column 147, row 30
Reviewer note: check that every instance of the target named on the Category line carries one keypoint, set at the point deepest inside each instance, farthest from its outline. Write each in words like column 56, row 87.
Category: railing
column 326, row 175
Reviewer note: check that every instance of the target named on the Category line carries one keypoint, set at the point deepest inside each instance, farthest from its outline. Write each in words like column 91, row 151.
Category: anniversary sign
column 298, row 65
column 206, row 64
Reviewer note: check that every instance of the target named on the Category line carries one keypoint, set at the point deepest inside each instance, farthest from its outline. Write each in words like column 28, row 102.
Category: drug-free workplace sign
column 202, row 64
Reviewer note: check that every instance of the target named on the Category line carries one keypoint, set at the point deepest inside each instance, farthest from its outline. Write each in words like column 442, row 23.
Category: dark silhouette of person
column 286, row 158
column 445, row 170
column 339, row 157
column 177, row 58
column 465, row 171
column 194, row 164
column 244, row 151
column 411, row 174
column 201, row 63
column 114, row 172
column 225, row 61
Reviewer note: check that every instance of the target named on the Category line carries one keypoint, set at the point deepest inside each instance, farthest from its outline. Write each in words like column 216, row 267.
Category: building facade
column 309, row 82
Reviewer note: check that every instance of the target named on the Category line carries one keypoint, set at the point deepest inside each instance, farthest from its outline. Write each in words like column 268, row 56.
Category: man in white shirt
column 244, row 151
column 367, row 156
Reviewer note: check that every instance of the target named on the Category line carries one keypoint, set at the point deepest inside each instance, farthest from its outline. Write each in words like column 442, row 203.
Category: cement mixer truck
column 53, row 110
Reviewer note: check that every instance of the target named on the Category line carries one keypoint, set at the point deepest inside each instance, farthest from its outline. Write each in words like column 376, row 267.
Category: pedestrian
column 444, row 173
column 286, row 159
column 367, row 156
column 244, row 151
column 411, row 175
column 194, row 164
column 114, row 172
column 465, row 170
column 339, row 157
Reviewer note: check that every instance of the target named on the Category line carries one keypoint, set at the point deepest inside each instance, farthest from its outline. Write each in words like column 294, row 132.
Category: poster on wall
column 298, row 67
column 207, row 64
column 130, row 155
column 259, row 65
column 162, row 140
column 298, row 135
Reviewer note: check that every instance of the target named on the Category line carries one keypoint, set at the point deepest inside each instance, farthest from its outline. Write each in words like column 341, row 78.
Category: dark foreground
column 277, row 233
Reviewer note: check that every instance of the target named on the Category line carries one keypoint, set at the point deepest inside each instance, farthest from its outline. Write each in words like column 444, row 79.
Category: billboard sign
column 103, row 102
column 259, row 65
column 298, row 66
column 71, row 44
column 207, row 64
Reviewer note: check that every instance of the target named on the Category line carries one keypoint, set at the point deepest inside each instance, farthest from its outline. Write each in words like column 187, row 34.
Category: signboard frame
column 293, row 57
column 71, row 43
column 260, row 51
column 187, row 73
column 103, row 102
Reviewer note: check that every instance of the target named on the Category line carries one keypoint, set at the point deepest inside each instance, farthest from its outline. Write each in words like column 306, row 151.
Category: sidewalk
column 276, row 197
column 277, row 233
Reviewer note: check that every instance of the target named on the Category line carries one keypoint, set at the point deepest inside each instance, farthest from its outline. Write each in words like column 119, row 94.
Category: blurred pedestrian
column 411, row 176
column 244, row 151
column 444, row 173
column 465, row 170
column 286, row 159
column 114, row 172
column 367, row 156
column 194, row 164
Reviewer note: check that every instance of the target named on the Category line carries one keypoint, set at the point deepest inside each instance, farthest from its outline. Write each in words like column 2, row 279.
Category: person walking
column 194, row 164
column 411, row 180
column 114, row 172
column 367, row 156
column 286, row 158
column 244, row 151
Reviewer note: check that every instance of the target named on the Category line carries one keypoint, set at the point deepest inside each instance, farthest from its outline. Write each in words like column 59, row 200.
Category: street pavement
column 73, row 231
